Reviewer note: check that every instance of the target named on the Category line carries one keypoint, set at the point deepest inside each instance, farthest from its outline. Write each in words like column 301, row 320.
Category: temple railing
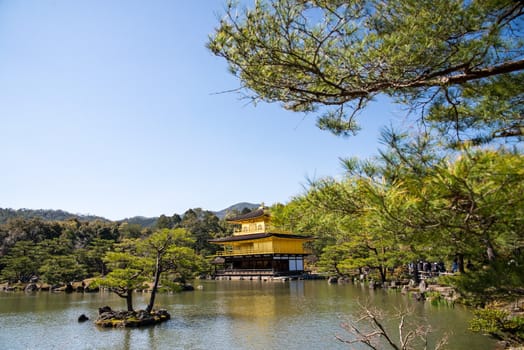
column 267, row 229
column 252, row 251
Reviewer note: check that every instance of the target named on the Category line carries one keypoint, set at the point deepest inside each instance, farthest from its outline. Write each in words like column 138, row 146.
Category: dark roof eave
column 240, row 238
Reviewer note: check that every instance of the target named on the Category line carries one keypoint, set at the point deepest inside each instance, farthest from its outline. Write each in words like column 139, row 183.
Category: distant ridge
column 140, row 220
column 235, row 208
column 61, row 215
column 45, row 214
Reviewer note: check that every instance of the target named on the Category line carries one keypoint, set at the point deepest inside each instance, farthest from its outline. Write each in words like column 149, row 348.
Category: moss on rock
column 120, row 319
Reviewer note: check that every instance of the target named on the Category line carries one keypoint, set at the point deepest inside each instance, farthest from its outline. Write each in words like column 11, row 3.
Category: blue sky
column 112, row 108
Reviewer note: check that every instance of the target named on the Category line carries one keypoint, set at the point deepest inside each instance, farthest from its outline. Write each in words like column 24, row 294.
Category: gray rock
column 332, row 280
column 104, row 309
column 31, row 287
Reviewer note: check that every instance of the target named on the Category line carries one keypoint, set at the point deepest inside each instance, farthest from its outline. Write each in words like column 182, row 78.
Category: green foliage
column 92, row 257
column 481, row 111
column 21, row 264
column 334, row 260
column 127, row 272
column 501, row 279
column 358, row 220
column 174, row 249
column 61, row 269
column 133, row 262
column 124, row 262
column 53, row 247
column 122, row 280
column 62, row 251
column 458, row 63
column 203, row 226
column 499, row 324
column 413, row 203
column 20, row 229
column 128, row 230
column 167, row 222
column 184, row 264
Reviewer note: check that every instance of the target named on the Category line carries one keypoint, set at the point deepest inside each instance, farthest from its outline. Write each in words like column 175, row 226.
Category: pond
column 222, row 315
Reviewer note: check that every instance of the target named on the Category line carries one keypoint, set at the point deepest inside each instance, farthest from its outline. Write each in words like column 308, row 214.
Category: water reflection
column 223, row 315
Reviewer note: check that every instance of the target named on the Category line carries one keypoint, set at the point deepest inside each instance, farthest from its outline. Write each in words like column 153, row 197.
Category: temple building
column 256, row 249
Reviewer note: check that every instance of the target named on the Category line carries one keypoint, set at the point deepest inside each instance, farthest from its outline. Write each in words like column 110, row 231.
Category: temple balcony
column 253, row 251
column 247, row 230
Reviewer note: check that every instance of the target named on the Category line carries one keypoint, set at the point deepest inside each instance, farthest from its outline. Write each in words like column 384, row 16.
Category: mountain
column 236, row 207
column 150, row 222
column 140, row 220
column 61, row 215
column 45, row 214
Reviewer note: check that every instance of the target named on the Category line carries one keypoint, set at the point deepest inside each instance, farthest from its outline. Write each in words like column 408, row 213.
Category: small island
column 132, row 267
column 108, row 318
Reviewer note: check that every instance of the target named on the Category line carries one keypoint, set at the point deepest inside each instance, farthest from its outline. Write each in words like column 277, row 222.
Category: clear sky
column 111, row 108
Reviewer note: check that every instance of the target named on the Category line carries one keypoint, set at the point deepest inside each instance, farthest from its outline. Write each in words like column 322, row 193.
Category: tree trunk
column 129, row 300
column 158, row 271
column 383, row 272
column 383, row 268
column 339, row 273
column 490, row 250
column 460, row 262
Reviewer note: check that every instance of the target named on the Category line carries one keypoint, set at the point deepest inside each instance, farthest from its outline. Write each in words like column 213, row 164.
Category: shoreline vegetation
column 85, row 286
column 430, row 291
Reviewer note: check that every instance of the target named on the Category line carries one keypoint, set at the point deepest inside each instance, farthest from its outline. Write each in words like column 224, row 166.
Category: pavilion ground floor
column 259, row 266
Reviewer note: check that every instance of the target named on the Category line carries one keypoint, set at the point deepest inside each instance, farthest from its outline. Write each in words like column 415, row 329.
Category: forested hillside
column 45, row 214
column 58, row 247
column 61, row 215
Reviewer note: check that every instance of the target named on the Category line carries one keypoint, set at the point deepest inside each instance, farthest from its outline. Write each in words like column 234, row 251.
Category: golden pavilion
column 256, row 249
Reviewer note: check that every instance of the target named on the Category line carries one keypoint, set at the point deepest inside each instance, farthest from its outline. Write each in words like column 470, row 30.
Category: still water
column 221, row 315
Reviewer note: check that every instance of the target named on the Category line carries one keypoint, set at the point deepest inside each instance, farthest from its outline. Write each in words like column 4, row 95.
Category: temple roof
column 257, row 236
column 251, row 215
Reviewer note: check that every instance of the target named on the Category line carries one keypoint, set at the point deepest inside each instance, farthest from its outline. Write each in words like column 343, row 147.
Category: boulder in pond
column 187, row 288
column 419, row 296
column 104, row 309
column 332, row 280
column 31, row 287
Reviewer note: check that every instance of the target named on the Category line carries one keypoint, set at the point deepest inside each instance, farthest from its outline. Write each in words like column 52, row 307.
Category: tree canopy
column 61, row 252
column 412, row 204
column 459, row 63
column 137, row 261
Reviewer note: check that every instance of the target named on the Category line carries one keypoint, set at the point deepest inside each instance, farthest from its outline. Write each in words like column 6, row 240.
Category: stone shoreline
column 80, row 287
column 108, row 318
